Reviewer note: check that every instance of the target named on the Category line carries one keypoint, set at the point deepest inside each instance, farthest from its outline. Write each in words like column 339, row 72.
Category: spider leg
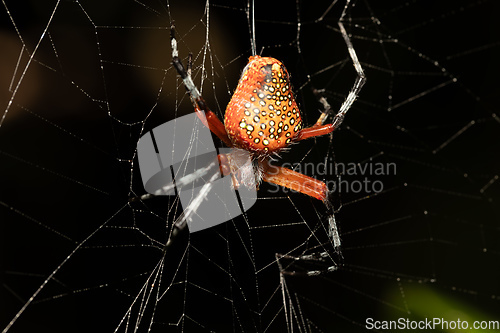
column 358, row 83
column 327, row 109
column 212, row 121
column 317, row 259
column 189, row 64
column 294, row 181
column 306, row 185
column 360, row 79
column 185, row 180
column 214, row 124
column 181, row 222
column 318, row 128
column 315, row 130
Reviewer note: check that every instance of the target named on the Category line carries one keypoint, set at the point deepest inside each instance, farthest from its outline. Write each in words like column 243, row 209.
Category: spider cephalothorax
column 262, row 116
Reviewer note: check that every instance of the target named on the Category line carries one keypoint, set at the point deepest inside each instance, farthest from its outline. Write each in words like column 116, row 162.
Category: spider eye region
column 262, row 116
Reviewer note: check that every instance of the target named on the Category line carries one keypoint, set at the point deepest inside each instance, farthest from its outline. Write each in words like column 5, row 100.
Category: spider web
column 82, row 81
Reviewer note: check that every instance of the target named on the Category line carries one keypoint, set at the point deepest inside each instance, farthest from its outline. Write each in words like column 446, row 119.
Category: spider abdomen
column 262, row 116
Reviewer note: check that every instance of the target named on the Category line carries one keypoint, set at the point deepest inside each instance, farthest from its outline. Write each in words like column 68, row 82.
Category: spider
column 263, row 119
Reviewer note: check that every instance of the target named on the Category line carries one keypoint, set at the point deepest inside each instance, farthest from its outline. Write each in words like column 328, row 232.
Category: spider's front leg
column 315, row 130
column 320, row 129
column 208, row 118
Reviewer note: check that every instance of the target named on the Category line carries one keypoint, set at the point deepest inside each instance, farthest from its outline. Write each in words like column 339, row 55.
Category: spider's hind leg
column 333, row 231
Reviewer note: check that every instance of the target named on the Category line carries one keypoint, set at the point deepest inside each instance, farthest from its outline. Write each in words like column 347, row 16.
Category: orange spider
column 263, row 119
